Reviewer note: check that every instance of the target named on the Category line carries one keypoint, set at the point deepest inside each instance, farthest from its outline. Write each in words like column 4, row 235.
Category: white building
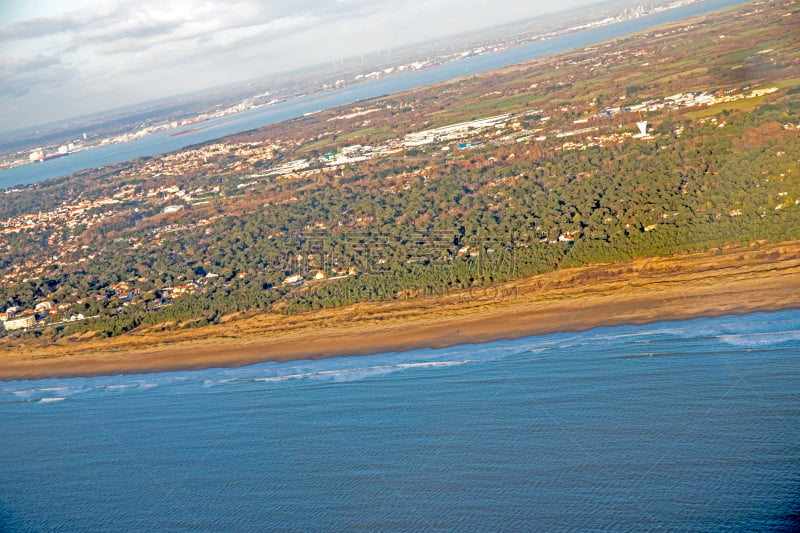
column 20, row 323
column 44, row 306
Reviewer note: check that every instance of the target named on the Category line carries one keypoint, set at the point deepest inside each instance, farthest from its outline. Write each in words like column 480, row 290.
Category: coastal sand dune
column 648, row 290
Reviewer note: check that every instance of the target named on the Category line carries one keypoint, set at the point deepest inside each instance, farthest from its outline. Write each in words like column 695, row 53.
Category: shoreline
column 569, row 300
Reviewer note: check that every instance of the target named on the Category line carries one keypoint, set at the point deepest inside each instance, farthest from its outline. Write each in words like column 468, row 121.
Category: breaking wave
column 750, row 340
column 344, row 375
column 54, row 394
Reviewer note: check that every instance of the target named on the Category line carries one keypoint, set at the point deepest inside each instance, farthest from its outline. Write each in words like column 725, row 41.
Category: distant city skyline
column 61, row 60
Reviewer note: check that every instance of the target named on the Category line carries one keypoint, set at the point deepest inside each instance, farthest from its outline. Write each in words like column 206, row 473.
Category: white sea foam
column 749, row 340
column 734, row 332
column 344, row 375
column 126, row 386
column 435, row 364
column 677, row 333
column 33, row 393
column 212, row 382
column 119, row 387
column 46, row 389
column 736, row 325
column 49, row 400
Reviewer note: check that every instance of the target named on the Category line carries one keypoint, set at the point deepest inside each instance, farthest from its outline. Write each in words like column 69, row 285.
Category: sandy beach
column 739, row 281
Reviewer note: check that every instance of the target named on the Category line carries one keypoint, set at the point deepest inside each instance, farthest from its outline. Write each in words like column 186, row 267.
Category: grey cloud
column 90, row 27
column 139, row 44
column 324, row 12
column 119, row 51
column 11, row 68
column 321, row 20
column 37, row 63
column 21, row 77
column 139, row 32
column 36, row 28
column 208, row 53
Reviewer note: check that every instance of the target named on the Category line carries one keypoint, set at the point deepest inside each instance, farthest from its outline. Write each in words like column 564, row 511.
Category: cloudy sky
column 63, row 58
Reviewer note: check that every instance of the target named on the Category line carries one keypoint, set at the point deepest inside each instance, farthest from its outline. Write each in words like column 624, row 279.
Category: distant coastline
column 741, row 280
column 164, row 142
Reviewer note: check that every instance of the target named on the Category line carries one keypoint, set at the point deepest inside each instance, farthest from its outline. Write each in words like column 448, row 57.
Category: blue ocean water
column 675, row 426
column 163, row 142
